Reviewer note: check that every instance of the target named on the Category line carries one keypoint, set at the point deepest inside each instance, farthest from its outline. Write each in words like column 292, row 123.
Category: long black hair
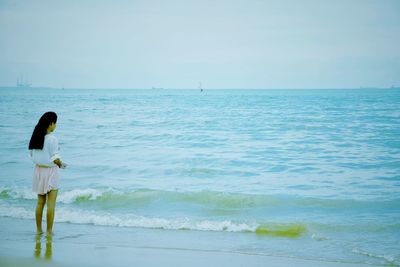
column 37, row 139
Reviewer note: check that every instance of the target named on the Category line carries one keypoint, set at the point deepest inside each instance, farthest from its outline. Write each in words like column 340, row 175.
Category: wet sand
column 88, row 245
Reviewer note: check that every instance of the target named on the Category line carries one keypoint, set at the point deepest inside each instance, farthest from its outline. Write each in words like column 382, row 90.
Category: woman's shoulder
column 51, row 137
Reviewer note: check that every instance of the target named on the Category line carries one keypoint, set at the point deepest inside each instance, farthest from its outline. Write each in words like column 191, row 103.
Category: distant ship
column 200, row 87
column 21, row 82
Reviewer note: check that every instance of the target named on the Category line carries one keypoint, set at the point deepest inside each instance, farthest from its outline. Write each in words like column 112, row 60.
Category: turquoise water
column 310, row 173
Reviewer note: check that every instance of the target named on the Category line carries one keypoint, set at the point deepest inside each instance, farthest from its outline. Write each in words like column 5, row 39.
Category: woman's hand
column 60, row 164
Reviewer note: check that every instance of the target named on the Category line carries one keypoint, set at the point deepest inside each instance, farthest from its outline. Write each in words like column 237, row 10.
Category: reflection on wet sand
column 38, row 247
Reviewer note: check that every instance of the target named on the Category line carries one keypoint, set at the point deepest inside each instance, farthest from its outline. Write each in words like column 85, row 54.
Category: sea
column 302, row 173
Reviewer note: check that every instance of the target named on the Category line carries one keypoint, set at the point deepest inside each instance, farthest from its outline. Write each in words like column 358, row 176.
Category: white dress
column 46, row 174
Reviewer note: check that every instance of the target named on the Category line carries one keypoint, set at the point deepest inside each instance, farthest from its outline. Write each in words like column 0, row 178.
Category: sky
column 178, row 43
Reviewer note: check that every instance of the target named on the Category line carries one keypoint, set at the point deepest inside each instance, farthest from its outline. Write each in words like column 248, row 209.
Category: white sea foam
column 319, row 237
column 71, row 196
column 66, row 197
column 106, row 219
column 16, row 212
column 18, row 192
column 389, row 258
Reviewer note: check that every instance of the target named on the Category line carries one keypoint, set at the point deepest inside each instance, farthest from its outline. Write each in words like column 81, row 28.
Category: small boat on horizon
column 21, row 82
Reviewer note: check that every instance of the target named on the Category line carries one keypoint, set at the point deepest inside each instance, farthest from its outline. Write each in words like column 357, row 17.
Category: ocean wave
column 16, row 193
column 208, row 198
column 76, row 216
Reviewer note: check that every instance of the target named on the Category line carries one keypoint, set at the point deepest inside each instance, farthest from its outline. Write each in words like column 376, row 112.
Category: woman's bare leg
column 39, row 212
column 51, row 205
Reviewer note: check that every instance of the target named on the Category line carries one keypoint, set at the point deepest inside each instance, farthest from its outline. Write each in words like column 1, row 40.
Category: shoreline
column 88, row 245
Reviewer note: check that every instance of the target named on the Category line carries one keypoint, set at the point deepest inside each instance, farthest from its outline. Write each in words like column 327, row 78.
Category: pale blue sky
column 224, row 44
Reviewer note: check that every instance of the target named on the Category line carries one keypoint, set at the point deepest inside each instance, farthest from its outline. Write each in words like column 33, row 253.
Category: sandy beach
column 87, row 245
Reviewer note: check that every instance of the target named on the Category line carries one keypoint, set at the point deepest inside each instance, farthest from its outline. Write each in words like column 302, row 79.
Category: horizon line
column 196, row 89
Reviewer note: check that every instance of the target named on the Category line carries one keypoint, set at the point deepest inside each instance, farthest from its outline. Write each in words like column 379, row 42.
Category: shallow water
column 315, row 168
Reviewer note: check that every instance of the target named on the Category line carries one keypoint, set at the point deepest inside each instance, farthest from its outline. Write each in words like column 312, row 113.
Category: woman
column 44, row 152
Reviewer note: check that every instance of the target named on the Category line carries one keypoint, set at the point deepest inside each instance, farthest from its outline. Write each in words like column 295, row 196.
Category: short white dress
column 46, row 175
